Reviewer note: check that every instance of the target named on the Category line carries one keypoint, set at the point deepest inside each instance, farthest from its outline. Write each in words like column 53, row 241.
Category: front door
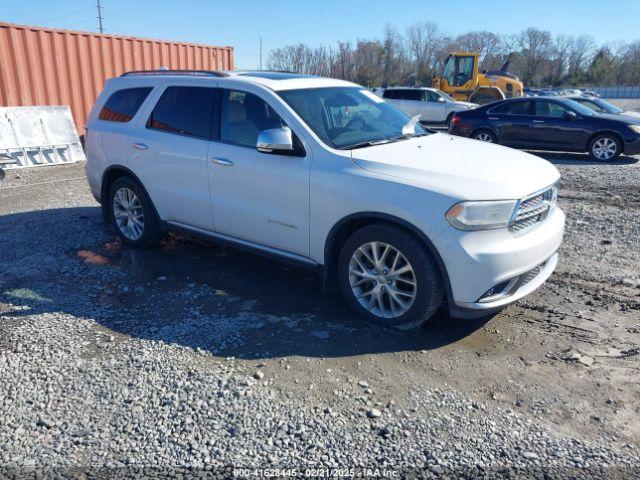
column 431, row 108
column 553, row 128
column 258, row 197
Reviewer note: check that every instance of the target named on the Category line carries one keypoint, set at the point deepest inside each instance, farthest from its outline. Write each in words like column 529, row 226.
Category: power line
column 79, row 22
column 70, row 14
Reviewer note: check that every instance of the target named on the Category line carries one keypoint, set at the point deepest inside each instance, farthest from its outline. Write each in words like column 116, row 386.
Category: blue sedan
column 550, row 123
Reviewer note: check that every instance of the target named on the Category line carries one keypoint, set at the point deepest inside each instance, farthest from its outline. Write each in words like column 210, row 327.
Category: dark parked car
column 601, row 106
column 550, row 123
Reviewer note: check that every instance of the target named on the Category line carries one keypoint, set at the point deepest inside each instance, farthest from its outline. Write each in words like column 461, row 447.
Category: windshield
column 346, row 117
column 578, row 107
column 606, row 106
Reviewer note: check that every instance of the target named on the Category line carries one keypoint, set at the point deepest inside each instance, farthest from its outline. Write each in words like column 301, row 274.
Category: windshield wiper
column 368, row 143
column 405, row 136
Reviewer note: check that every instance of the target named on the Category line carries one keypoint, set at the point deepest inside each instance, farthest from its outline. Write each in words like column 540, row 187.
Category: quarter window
column 123, row 105
column 184, row 111
column 243, row 116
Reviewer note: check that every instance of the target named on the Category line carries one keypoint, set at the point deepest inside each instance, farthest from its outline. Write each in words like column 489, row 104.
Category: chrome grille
column 533, row 209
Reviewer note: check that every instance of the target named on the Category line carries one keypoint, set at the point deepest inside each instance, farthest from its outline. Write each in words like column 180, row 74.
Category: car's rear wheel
column 132, row 213
column 389, row 277
column 605, row 148
column 484, row 135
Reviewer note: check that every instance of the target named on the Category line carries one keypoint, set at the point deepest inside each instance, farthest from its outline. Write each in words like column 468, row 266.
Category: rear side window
column 184, row 111
column 389, row 94
column 123, row 104
column 513, row 108
column 410, row 95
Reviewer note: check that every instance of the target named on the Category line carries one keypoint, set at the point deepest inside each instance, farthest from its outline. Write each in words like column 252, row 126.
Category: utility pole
column 100, row 27
column 260, row 52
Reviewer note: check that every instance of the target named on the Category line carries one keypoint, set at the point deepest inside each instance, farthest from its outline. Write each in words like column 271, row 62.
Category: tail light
column 454, row 121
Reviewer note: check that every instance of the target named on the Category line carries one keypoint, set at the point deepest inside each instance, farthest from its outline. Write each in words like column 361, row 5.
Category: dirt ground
column 567, row 357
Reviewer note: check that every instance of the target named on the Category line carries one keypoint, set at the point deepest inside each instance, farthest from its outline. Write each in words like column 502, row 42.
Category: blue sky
column 240, row 23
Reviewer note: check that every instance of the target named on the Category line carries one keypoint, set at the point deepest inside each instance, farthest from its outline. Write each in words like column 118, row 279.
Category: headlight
column 635, row 128
column 481, row 215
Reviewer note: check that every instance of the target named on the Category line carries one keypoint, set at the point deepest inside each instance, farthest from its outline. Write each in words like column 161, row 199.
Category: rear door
column 173, row 149
column 512, row 122
column 406, row 100
column 551, row 128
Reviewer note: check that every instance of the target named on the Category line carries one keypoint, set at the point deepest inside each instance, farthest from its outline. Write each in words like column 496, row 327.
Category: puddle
column 92, row 258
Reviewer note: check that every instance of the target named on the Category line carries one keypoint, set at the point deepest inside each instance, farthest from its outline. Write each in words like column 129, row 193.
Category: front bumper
column 478, row 261
column 632, row 147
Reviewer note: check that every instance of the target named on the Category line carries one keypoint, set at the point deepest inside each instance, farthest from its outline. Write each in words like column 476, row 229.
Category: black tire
column 152, row 233
column 611, row 140
column 429, row 292
column 484, row 135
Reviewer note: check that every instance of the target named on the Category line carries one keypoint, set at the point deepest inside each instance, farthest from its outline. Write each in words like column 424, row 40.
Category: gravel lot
column 121, row 362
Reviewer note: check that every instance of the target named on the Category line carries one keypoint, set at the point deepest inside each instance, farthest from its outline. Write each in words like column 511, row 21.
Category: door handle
column 222, row 161
column 538, row 121
column 494, row 118
column 140, row 146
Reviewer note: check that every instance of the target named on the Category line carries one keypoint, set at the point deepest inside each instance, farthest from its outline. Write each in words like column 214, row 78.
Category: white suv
column 326, row 174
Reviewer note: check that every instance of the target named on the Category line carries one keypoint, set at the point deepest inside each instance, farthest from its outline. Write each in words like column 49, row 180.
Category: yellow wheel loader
column 462, row 80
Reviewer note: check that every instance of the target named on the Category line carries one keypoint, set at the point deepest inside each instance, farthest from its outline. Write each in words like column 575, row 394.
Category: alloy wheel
column 128, row 213
column 604, row 148
column 382, row 279
column 484, row 137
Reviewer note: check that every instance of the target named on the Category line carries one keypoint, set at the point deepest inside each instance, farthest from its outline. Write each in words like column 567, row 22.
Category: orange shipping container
column 44, row 66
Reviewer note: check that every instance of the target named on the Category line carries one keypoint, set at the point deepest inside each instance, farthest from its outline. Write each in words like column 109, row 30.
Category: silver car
column 433, row 105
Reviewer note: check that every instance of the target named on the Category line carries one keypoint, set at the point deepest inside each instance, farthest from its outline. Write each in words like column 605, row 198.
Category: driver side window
column 549, row 109
column 431, row 96
column 243, row 116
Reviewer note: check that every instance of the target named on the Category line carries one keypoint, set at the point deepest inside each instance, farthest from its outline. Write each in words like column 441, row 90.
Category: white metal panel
column 43, row 135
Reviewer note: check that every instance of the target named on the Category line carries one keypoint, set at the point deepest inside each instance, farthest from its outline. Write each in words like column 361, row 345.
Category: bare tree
column 579, row 51
column 537, row 57
column 423, row 39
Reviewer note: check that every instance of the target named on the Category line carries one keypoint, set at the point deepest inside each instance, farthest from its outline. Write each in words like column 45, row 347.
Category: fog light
column 495, row 291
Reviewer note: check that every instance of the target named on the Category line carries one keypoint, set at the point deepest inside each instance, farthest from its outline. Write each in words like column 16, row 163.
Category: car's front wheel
column 389, row 277
column 605, row 148
column 132, row 213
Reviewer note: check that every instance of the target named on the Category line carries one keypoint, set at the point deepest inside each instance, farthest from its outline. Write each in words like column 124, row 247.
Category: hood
column 459, row 167
column 624, row 117
column 631, row 113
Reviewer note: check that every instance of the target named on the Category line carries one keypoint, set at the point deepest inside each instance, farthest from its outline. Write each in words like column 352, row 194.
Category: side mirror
column 570, row 115
column 441, row 100
column 275, row 140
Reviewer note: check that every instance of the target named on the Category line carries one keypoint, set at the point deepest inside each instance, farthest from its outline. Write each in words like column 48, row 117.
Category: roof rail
column 206, row 73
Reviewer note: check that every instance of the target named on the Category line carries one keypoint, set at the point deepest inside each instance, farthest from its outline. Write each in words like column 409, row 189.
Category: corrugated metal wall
column 42, row 66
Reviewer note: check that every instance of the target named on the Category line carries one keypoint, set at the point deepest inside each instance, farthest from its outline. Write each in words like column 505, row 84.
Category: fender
column 104, row 189
column 329, row 269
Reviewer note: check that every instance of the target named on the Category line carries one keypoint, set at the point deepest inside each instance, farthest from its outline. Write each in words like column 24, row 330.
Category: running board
column 247, row 245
